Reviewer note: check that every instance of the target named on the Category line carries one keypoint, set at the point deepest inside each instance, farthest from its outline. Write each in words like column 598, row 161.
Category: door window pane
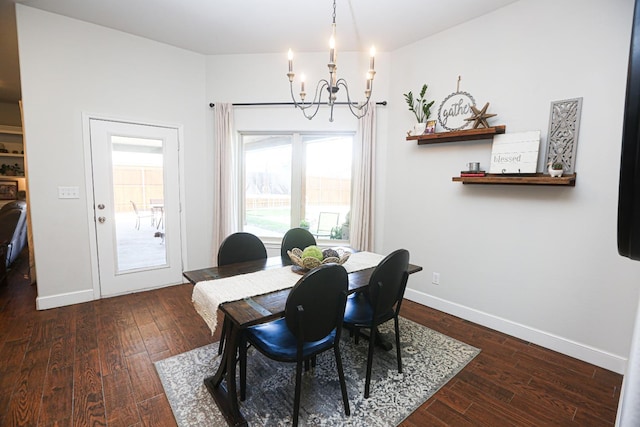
column 138, row 194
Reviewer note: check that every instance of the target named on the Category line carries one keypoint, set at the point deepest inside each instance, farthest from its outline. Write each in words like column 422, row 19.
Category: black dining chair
column 295, row 238
column 379, row 304
column 238, row 247
column 312, row 324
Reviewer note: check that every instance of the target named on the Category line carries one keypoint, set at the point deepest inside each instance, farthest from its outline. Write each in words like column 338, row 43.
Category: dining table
column 257, row 307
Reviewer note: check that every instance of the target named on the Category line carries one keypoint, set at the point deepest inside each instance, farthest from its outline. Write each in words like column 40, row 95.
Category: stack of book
column 473, row 173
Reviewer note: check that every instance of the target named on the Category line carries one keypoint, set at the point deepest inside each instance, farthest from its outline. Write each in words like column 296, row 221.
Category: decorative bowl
column 309, row 263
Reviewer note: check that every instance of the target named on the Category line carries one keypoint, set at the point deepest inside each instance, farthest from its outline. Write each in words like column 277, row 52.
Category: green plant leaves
column 420, row 107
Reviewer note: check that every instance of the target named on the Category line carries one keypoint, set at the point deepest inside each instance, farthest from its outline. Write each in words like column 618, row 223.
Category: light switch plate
column 68, row 193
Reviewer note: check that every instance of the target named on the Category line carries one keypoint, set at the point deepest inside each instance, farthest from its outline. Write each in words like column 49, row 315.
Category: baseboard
column 60, row 300
column 565, row 346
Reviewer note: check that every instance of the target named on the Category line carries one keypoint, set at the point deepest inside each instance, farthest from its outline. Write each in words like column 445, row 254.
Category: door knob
column 101, row 219
column 100, row 206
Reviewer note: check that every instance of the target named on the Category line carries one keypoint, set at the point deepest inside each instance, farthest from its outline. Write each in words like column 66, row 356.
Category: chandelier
column 332, row 85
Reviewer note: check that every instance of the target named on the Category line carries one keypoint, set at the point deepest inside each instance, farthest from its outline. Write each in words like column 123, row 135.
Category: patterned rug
column 429, row 361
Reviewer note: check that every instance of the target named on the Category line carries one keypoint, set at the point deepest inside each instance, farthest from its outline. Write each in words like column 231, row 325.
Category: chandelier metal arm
column 357, row 110
column 317, row 99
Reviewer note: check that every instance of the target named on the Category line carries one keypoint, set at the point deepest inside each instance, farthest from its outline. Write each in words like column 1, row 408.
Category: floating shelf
column 458, row 135
column 11, row 130
column 537, row 179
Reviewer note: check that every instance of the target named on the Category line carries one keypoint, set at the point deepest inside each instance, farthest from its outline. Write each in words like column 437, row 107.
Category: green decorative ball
column 313, row 252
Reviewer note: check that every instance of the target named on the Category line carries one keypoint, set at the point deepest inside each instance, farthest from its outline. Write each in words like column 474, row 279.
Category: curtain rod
column 262, row 104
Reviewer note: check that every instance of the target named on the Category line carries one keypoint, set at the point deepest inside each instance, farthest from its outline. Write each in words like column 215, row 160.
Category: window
column 296, row 179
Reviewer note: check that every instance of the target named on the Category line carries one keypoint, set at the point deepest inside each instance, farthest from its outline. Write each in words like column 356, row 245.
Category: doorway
column 136, row 206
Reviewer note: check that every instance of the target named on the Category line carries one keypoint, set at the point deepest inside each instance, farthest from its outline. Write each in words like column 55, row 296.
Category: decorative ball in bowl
column 312, row 257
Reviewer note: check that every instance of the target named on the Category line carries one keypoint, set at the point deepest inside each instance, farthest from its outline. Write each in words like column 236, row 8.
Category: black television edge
column 629, row 186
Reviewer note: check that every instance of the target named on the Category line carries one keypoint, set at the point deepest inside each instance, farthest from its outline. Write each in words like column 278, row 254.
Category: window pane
column 138, row 191
column 267, row 185
column 327, row 186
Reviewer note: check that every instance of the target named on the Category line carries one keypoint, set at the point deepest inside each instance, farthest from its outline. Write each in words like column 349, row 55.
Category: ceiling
column 214, row 27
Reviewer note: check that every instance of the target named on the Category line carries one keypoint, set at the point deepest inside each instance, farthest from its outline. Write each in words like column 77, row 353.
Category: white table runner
column 209, row 294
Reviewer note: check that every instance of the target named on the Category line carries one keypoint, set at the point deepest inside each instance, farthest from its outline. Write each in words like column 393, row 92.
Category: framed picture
column 431, row 126
column 8, row 190
column 515, row 153
column 562, row 139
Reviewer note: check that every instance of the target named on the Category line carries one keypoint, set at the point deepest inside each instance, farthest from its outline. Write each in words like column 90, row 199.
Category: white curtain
column 224, row 212
column 362, row 199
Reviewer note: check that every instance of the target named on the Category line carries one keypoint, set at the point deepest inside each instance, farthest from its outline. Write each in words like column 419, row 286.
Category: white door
column 136, row 204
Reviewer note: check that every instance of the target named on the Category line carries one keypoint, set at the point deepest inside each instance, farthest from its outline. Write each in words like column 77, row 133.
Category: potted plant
column 10, row 170
column 336, row 233
column 420, row 107
column 555, row 169
column 304, row 224
column 346, row 226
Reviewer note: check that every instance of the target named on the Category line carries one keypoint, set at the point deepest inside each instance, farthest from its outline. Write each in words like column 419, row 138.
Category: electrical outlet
column 68, row 193
column 436, row 278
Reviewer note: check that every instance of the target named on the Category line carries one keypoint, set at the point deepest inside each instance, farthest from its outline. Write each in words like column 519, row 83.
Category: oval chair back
column 311, row 325
column 240, row 247
column 295, row 238
column 322, row 294
column 391, row 272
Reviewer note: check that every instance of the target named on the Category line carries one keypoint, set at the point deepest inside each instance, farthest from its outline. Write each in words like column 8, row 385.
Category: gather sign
column 454, row 109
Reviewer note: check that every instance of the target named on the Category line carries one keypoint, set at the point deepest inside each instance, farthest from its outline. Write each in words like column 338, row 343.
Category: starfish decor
column 480, row 117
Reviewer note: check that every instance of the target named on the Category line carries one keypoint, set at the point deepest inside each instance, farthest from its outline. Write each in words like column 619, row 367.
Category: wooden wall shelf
column 11, row 130
column 458, row 135
column 537, row 179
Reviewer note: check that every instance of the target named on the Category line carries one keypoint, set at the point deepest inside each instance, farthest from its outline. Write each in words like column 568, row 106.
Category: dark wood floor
column 92, row 364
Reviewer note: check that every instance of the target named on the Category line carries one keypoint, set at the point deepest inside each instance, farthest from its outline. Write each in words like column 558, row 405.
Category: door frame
column 91, row 215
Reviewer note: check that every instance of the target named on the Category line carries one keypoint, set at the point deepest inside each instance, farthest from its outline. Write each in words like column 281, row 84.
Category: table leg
column 379, row 341
column 382, row 343
column 225, row 395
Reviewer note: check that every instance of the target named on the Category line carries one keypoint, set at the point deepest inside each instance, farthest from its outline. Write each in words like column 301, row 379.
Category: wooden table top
column 212, row 273
column 262, row 308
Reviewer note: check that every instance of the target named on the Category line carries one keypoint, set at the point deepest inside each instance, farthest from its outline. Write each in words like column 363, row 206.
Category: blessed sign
column 515, row 152
column 454, row 110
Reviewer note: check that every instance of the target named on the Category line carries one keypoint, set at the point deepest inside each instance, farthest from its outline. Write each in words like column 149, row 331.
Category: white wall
column 69, row 67
column 540, row 263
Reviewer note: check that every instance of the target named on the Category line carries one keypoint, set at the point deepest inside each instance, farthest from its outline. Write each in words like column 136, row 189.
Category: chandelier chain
column 334, row 11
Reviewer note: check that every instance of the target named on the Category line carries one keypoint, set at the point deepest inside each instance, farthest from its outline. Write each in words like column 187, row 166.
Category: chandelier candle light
column 333, row 84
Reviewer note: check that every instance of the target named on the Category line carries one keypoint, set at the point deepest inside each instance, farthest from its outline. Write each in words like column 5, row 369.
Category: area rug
column 429, row 359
